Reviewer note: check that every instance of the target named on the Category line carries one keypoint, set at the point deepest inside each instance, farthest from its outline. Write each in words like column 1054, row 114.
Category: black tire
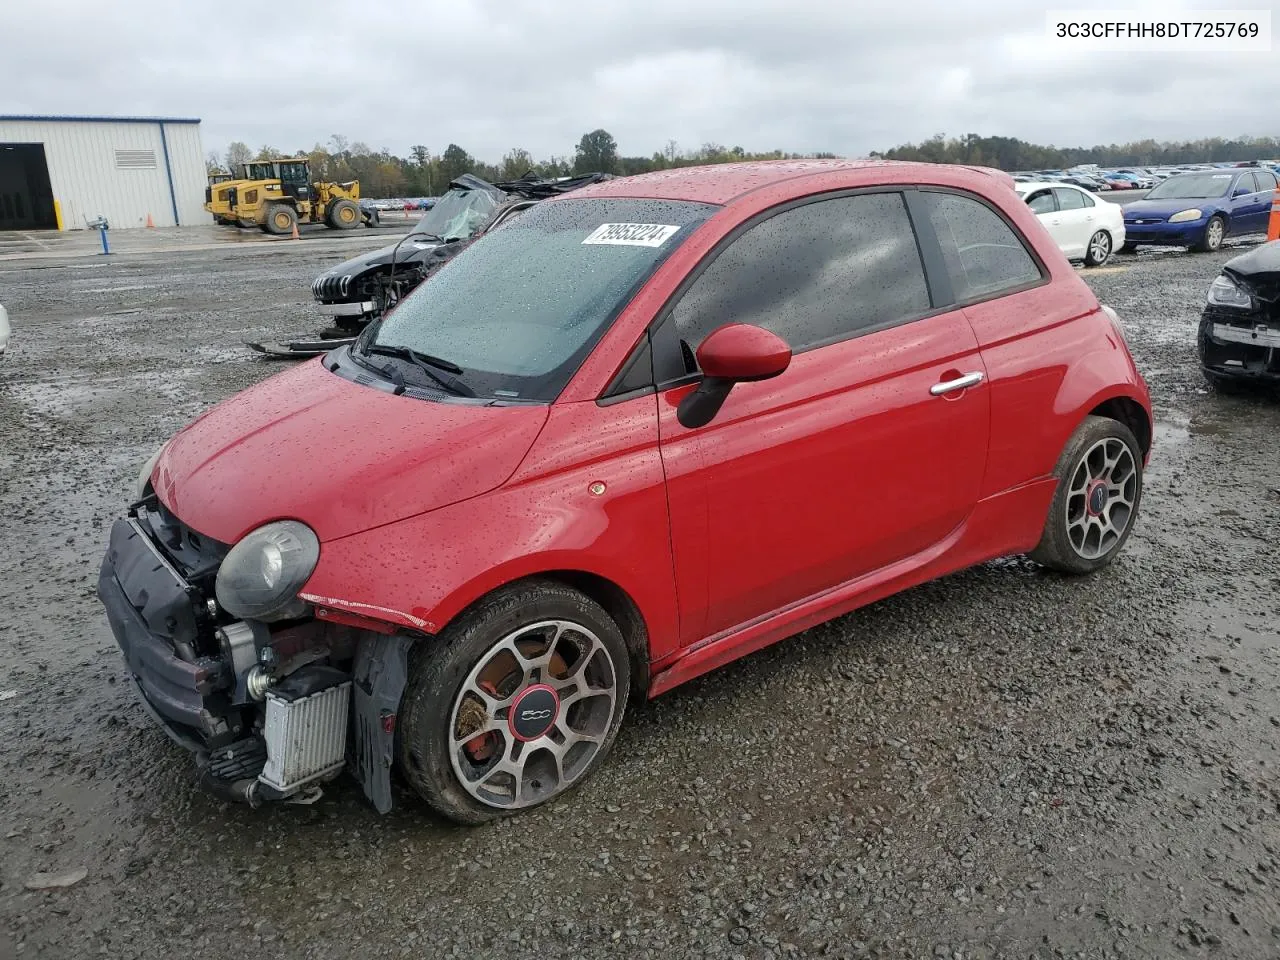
column 1057, row 549
column 343, row 214
column 1101, row 241
column 1129, row 248
column 1211, row 241
column 281, row 219
column 439, row 668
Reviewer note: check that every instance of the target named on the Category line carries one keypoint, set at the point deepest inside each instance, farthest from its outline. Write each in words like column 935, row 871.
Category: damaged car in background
column 1239, row 338
column 359, row 290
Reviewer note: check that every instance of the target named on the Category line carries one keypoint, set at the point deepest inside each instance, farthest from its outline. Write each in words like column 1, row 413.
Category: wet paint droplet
column 596, row 489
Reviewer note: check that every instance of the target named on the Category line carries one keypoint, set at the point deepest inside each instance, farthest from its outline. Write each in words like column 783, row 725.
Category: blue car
column 1201, row 209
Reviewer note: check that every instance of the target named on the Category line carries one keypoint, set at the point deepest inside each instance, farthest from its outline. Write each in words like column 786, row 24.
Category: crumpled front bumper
column 1241, row 345
column 152, row 610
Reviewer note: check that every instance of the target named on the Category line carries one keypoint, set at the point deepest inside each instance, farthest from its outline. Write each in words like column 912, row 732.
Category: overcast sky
column 846, row 76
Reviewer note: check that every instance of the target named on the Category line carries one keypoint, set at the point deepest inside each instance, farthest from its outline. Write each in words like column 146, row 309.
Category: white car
column 1085, row 226
column 4, row 330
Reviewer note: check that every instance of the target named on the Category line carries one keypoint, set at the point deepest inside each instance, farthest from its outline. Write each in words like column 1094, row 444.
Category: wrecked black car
column 1239, row 339
column 359, row 290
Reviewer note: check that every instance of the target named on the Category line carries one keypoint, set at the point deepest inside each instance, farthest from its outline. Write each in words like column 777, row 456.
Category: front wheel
column 513, row 705
column 1099, row 250
column 1099, row 490
column 1215, row 231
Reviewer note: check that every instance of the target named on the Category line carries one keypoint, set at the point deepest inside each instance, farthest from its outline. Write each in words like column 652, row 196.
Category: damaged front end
column 1239, row 337
column 272, row 706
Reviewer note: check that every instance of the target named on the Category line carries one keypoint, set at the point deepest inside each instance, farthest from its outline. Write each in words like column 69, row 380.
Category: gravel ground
column 1000, row 764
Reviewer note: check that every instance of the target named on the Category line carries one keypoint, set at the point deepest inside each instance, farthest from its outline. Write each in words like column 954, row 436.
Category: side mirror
column 1240, row 192
column 734, row 353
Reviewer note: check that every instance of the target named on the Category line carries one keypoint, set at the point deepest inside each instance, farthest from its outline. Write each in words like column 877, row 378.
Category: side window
column 1266, row 179
column 1042, row 202
column 984, row 255
column 812, row 274
column 1246, row 184
column 1069, row 199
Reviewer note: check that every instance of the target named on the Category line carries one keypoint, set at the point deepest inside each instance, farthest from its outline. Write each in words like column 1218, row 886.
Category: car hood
column 1260, row 267
column 309, row 445
column 1167, row 208
column 412, row 250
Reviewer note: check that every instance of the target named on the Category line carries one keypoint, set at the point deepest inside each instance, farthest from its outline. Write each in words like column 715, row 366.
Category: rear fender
column 1092, row 380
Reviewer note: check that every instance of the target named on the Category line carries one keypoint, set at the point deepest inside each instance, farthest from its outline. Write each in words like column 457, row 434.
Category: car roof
column 724, row 182
column 1046, row 184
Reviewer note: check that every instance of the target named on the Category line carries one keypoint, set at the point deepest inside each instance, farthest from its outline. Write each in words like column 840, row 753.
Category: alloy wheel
column 1100, row 247
column 532, row 714
column 1101, row 499
column 1214, row 237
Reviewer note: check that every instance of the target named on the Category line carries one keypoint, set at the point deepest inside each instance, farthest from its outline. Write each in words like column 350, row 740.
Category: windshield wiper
column 429, row 236
column 424, row 362
column 391, row 373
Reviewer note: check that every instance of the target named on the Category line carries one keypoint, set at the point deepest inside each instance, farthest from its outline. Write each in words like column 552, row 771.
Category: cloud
column 492, row 74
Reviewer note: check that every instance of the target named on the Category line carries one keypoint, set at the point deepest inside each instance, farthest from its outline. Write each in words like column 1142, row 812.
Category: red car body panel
column 784, row 494
column 422, row 572
column 341, row 457
column 833, row 485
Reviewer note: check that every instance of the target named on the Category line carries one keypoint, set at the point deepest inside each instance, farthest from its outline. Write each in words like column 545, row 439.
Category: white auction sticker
column 632, row 234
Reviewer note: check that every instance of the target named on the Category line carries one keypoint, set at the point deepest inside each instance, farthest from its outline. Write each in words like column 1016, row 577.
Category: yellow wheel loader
column 289, row 197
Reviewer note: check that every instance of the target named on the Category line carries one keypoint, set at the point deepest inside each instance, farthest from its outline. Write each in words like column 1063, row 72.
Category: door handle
column 959, row 383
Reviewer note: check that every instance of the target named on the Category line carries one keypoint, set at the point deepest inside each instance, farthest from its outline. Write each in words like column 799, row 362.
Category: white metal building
column 57, row 173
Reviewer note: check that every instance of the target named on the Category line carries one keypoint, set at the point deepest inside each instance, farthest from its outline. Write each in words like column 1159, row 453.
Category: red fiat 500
column 629, row 436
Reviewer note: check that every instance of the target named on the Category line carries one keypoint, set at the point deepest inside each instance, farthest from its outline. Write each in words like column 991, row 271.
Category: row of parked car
column 1091, row 177
column 410, row 203
column 1198, row 209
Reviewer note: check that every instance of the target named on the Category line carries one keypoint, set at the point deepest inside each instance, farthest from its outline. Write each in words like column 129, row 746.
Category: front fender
column 423, row 571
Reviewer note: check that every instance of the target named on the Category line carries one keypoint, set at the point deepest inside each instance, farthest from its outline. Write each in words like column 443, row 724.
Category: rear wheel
column 343, row 215
column 1215, row 231
column 513, row 705
column 281, row 219
column 1099, row 250
column 1099, row 490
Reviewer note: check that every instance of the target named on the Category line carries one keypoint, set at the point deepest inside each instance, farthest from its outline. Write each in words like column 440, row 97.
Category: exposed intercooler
column 306, row 736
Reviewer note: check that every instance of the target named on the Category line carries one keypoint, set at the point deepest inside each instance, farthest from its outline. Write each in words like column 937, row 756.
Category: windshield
column 519, row 309
column 458, row 214
column 1197, row 186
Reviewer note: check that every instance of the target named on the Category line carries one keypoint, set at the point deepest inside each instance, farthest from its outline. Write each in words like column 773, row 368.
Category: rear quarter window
column 984, row 255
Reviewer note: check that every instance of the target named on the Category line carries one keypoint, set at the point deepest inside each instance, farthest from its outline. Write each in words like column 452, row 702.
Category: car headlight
column 260, row 576
column 1182, row 216
column 1225, row 292
column 144, row 475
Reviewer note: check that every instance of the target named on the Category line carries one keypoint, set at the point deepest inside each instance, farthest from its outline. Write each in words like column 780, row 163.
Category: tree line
column 1010, row 153
column 424, row 173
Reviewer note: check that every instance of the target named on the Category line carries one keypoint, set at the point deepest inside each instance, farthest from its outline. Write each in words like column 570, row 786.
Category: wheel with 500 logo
column 514, row 704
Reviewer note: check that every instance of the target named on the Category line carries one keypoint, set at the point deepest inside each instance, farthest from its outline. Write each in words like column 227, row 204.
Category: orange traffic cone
column 150, row 222
column 1273, row 225
column 294, row 235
